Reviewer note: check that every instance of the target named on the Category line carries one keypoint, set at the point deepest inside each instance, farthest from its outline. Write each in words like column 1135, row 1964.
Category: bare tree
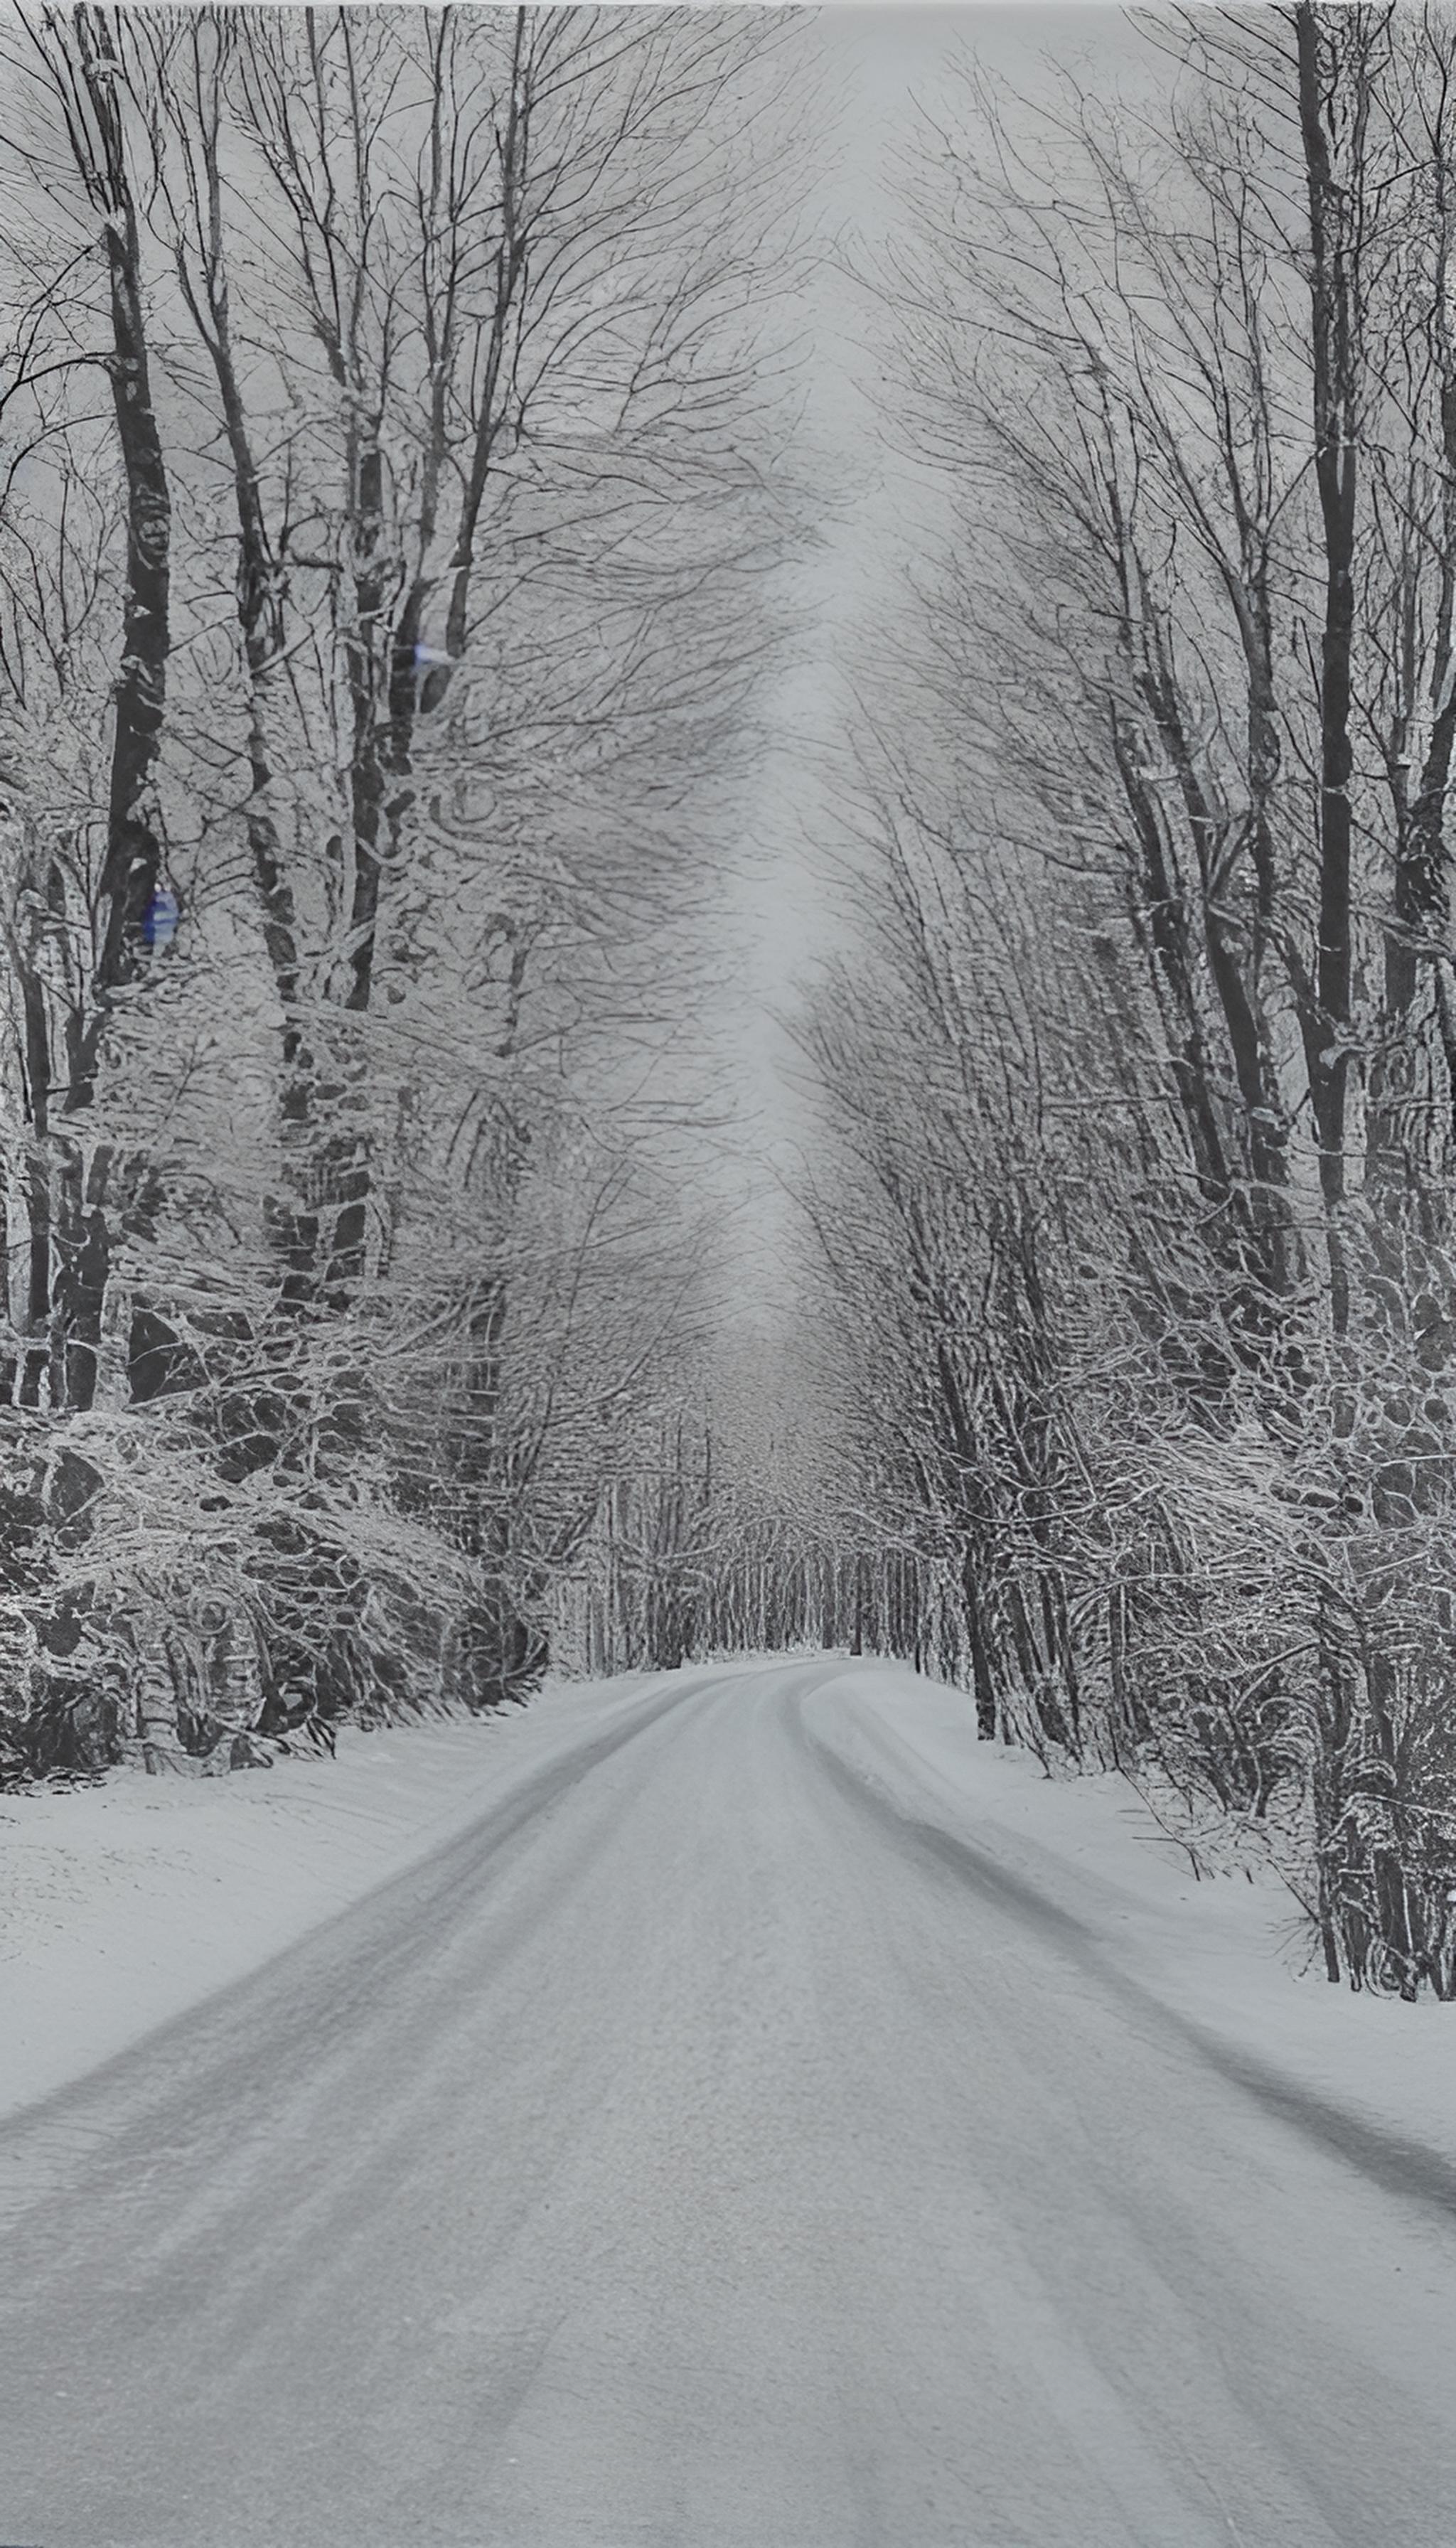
column 1185, row 1263
column 459, row 384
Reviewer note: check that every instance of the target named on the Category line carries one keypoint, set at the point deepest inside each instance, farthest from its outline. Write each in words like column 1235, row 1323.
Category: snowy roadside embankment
column 124, row 1904
column 1228, row 1959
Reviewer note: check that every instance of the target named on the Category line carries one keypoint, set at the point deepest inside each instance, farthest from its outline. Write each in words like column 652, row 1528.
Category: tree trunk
column 88, row 75
column 1333, row 105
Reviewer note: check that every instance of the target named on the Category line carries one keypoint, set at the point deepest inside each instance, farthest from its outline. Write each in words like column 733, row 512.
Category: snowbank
column 122, row 1904
column 1230, row 1958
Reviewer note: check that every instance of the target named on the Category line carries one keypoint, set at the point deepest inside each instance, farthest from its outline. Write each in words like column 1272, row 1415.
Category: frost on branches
column 384, row 595
column 1136, row 1233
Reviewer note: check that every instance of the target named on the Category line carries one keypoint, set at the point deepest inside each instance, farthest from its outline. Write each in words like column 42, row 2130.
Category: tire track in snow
column 1400, row 2167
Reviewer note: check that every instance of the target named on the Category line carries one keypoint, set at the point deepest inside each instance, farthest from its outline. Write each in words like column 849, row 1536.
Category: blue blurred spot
column 159, row 921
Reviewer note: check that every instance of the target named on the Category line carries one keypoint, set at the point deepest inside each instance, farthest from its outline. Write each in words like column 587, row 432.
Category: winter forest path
column 695, row 2155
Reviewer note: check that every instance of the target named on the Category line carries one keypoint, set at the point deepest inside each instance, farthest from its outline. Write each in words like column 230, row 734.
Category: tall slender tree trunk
column 87, row 73
column 1333, row 111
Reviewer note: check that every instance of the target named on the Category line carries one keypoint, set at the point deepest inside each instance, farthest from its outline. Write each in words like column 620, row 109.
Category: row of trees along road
column 1136, row 1252
column 723, row 1535
column 389, row 510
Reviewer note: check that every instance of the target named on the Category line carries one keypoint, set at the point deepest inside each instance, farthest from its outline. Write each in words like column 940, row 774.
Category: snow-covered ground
column 1233, row 1958
column 733, row 2110
column 123, row 1904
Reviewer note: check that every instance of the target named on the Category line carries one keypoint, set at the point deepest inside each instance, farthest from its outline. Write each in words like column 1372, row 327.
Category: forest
column 400, row 512
column 387, row 556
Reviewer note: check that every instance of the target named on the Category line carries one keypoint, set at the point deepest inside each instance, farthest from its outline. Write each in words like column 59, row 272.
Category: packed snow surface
column 123, row 1904
column 733, row 2110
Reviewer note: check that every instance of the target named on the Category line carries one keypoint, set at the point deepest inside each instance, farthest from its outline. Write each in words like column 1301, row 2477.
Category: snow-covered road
column 709, row 2149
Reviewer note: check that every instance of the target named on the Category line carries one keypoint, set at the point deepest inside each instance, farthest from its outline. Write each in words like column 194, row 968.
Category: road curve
column 691, row 2155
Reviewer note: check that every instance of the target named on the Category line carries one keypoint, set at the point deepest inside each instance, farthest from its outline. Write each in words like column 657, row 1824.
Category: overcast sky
column 882, row 67
column 885, row 67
